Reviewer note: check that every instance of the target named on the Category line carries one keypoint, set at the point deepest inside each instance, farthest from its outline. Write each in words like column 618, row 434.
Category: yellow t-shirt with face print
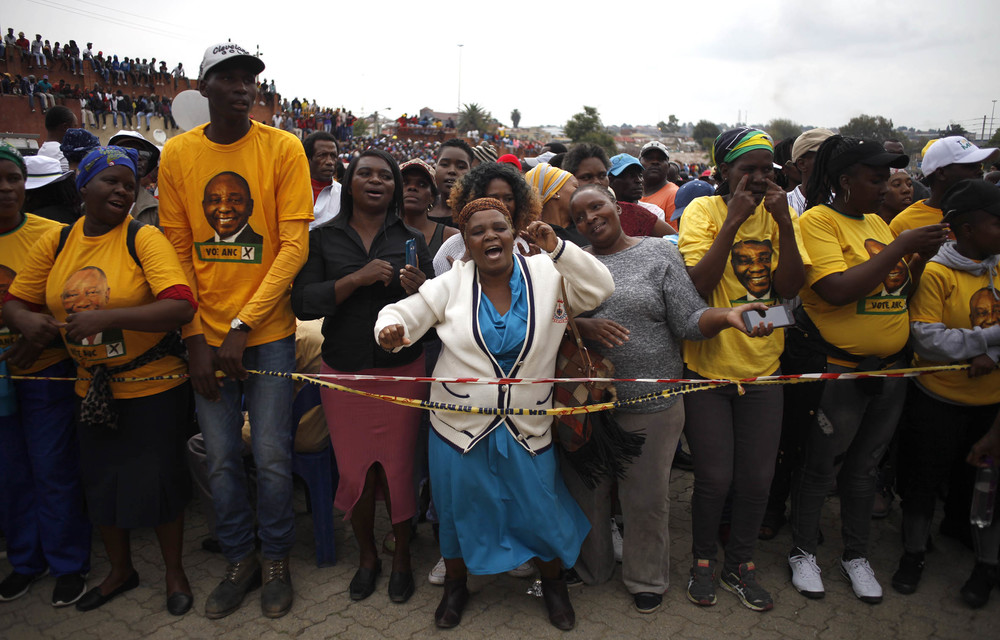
column 876, row 325
column 959, row 300
column 748, row 277
column 99, row 273
column 16, row 246
column 224, row 205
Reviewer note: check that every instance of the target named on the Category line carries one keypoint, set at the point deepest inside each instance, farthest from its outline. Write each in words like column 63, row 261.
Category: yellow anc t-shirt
column 15, row 247
column 959, row 300
column 98, row 273
column 876, row 325
column 221, row 207
column 918, row 214
column 748, row 277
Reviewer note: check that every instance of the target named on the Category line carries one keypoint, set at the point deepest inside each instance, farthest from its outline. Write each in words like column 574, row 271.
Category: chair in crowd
column 318, row 471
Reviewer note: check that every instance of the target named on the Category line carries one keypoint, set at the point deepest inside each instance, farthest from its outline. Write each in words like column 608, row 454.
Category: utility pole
column 459, row 107
column 983, row 136
column 992, row 130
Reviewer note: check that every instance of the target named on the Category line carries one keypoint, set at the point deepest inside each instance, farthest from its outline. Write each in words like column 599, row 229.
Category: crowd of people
column 455, row 260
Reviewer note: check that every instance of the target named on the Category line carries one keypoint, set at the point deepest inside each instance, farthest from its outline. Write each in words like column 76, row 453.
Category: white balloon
column 190, row 109
column 160, row 135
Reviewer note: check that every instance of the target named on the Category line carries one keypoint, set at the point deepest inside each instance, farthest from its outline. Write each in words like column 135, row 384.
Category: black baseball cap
column 971, row 195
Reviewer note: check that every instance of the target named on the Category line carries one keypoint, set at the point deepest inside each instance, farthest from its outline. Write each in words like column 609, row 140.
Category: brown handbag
column 593, row 443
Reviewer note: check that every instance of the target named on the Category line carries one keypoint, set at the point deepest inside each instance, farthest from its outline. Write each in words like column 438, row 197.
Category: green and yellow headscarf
column 733, row 143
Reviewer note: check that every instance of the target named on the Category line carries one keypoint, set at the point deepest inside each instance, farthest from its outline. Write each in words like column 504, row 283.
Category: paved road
column 500, row 607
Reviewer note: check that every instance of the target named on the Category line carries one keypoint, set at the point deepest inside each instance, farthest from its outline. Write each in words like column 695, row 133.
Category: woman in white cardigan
column 497, row 489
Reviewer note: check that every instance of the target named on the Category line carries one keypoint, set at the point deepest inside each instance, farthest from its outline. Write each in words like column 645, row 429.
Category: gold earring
column 847, row 198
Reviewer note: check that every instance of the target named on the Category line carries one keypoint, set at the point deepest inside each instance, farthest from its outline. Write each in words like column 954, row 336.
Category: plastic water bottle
column 984, row 495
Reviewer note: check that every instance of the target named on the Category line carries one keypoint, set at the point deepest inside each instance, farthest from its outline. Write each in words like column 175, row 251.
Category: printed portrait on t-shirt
column 751, row 261
column 6, row 277
column 228, row 207
column 88, row 290
column 984, row 309
column 897, row 278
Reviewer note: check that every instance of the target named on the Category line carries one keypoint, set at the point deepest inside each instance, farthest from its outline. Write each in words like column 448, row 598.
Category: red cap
column 510, row 158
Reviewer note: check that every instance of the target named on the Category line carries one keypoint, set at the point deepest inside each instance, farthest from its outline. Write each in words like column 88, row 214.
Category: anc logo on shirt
column 892, row 299
column 559, row 315
column 751, row 262
column 228, row 206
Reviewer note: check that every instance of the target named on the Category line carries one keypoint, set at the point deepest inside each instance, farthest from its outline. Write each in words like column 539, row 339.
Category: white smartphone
column 777, row 315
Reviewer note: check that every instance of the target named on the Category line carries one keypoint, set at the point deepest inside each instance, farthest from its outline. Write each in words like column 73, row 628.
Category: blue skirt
column 499, row 506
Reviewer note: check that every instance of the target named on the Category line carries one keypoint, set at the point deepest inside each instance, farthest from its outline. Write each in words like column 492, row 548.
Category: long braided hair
column 825, row 178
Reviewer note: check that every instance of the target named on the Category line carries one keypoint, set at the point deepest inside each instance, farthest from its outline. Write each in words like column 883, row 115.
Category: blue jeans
column 269, row 403
column 41, row 498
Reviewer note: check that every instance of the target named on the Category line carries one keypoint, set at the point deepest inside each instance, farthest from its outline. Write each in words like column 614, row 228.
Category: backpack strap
column 130, row 234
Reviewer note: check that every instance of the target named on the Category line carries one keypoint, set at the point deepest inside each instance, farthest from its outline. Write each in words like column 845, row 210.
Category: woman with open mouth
column 357, row 265
column 740, row 245
column 499, row 497
column 115, row 290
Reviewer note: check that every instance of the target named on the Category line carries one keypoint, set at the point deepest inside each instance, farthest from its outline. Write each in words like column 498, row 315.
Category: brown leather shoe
column 560, row 609
column 449, row 612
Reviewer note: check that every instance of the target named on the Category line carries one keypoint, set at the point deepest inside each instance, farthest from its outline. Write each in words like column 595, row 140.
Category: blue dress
column 498, row 505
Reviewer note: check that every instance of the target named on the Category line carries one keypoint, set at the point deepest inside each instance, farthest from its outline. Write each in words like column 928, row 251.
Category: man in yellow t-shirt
column 953, row 318
column 947, row 162
column 236, row 202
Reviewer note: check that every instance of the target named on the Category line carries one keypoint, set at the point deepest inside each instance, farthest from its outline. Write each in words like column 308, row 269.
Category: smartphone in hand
column 411, row 252
column 777, row 315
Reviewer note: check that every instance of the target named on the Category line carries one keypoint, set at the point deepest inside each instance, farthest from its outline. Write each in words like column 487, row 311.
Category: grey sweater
column 656, row 301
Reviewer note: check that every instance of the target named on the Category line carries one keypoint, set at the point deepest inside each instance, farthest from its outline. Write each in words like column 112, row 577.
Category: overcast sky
column 817, row 63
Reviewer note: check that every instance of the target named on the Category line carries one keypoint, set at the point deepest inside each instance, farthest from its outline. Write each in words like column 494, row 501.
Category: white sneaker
column 806, row 574
column 523, row 571
column 863, row 581
column 436, row 576
column 616, row 540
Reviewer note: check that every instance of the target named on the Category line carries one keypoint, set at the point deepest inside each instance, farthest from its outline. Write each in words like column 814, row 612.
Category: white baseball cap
column 219, row 53
column 952, row 150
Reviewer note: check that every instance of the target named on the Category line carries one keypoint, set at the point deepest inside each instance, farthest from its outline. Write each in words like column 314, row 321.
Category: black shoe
column 241, row 578
column 94, row 598
column 647, row 602
column 907, row 576
column 179, row 603
column 17, row 584
column 453, row 601
column 560, row 609
column 211, row 545
column 572, row 578
column 976, row 590
column 682, row 460
column 401, row 586
column 276, row 597
column 69, row 588
column 363, row 583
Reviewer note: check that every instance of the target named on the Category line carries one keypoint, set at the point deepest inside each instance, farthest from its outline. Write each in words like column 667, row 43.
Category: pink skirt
column 364, row 431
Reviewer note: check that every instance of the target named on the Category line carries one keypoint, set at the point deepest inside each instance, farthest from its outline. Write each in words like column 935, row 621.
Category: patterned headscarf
column 77, row 143
column 7, row 152
column 481, row 204
column 103, row 158
column 547, row 180
column 733, row 143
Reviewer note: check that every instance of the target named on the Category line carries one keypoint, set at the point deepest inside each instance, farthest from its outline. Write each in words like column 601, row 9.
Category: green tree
column 955, row 130
column 670, row 126
column 360, row 127
column 515, row 117
column 865, row 126
column 781, row 128
column 474, row 118
column 995, row 140
column 705, row 133
column 586, row 126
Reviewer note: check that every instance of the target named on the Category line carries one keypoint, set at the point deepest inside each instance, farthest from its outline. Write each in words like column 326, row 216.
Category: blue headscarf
column 102, row 158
